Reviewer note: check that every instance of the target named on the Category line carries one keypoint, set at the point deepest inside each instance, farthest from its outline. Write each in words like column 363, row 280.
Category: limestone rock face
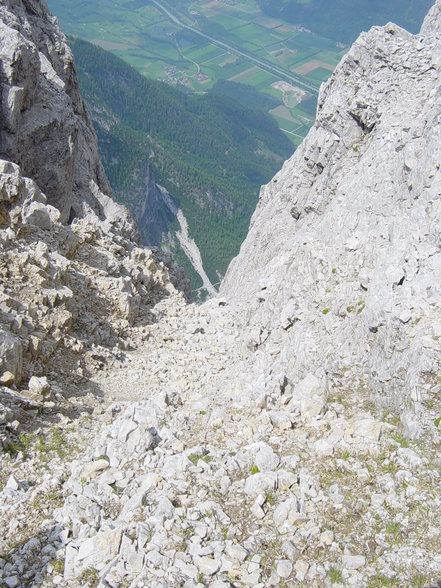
column 341, row 268
column 75, row 288
column 68, row 291
column 44, row 127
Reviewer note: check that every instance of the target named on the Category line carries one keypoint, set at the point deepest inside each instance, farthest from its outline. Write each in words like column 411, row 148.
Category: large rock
column 11, row 355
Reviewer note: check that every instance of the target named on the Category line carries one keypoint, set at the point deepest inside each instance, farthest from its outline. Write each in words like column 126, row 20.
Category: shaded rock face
column 44, row 127
column 69, row 294
column 73, row 280
column 340, row 272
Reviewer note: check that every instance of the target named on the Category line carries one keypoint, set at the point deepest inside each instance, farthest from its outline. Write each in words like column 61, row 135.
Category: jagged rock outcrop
column 44, row 127
column 74, row 284
column 340, row 272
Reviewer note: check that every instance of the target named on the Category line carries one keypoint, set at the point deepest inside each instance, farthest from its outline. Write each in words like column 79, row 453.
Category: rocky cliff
column 74, row 283
column 44, row 127
column 254, row 440
column 340, row 272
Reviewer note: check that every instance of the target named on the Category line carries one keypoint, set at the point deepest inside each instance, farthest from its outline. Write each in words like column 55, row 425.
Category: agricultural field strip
column 263, row 64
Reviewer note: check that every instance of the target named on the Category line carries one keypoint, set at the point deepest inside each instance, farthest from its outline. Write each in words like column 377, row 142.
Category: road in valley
column 263, row 64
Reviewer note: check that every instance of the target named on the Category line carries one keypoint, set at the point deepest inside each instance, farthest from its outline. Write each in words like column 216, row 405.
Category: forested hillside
column 210, row 151
column 343, row 20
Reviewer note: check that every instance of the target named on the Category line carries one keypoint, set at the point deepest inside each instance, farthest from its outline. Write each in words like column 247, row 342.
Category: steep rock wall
column 75, row 288
column 44, row 127
column 340, row 272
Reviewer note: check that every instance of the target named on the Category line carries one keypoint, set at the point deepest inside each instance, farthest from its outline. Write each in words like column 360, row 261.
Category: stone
column 207, row 565
column 367, row 428
column 98, row 550
column 12, row 483
column 260, row 483
column 257, row 511
column 38, row 215
column 7, row 379
column 284, row 568
column 266, row 460
column 310, row 394
column 11, row 355
column 326, row 538
column 40, row 386
column 237, row 552
column 93, row 468
column 353, row 562
column 301, row 568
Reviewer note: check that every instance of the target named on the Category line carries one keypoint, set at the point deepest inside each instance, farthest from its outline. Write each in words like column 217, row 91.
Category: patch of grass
column 400, row 439
column 58, row 566
column 380, row 580
column 419, row 580
column 203, row 412
column 437, row 421
column 270, row 499
column 325, row 310
column 350, row 309
column 90, row 577
column 207, row 458
column 389, row 468
column 254, row 469
column 12, row 447
column 334, row 270
column 194, row 458
column 335, row 575
column 393, row 530
column 345, row 454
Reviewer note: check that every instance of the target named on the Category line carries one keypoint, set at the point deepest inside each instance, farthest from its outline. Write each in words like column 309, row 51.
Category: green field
column 146, row 37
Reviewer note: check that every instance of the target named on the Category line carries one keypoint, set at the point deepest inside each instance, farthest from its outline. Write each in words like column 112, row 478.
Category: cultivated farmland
column 215, row 41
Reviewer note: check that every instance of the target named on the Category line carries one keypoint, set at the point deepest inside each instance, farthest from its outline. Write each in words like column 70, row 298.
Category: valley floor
column 171, row 472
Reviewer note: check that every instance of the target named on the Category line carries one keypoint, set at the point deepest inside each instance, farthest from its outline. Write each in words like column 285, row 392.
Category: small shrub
column 326, row 310
column 335, row 575
column 393, row 529
column 194, row 458
column 254, row 469
column 400, row 439
column 437, row 421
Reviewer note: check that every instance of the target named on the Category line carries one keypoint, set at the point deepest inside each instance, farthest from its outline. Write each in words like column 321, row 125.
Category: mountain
column 285, row 432
column 210, row 152
column 343, row 20
column 340, row 269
